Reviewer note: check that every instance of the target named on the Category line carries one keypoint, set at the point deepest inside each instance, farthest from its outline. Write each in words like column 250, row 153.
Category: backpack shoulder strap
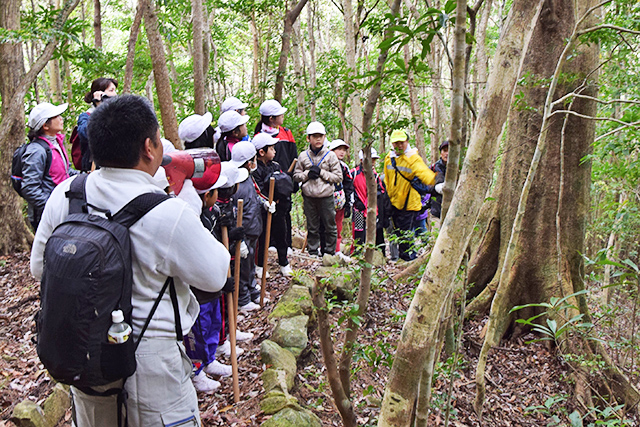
column 77, row 195
column 138, row 207
column 47, row 149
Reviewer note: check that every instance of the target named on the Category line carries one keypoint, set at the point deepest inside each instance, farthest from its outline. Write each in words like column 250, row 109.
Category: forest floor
column 527, row 384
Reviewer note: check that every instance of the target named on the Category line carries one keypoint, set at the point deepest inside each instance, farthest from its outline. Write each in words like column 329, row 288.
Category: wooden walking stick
column 267, row 238
column 232, row 328
column 293, row 165
column 237, row 260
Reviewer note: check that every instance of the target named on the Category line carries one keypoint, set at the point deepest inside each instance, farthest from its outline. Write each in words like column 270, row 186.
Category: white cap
column 232, row 174
column 272, row 108
column 374, row 154
column 116, row 315
column 232, row 103
column 43, row 112
column 262, row 140
column 167, row 146
column 229, row 120
column 316, row 127
column 241, row 152
column 194, row 126
column 337, row 143
column 222, row 180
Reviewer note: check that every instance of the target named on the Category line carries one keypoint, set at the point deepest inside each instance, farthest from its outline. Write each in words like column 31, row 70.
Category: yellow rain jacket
column 410, row 165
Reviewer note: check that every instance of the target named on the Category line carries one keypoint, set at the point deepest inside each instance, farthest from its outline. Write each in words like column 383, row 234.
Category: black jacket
column 262, row 176
column 440, row 168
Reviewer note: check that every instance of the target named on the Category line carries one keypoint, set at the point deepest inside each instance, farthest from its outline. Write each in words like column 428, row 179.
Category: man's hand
column 314, row 172
column 439, row 187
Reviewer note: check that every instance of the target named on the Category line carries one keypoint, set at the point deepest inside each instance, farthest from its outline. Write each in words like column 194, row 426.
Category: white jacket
column 168, row 241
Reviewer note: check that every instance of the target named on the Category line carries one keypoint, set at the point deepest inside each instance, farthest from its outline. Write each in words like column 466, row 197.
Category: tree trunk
column 55, row 79
column 131, row 50
column 457, row 108
column 160, row 73
column 542, row 258
column 198, row 57
column 435, row 288
column 296, row 53
column 14, row 83
column 311, row 12
column 482, row 62
column 255, row 73
column 290, row 17
column 351, row 47
column 97, row 25
column 414, row 102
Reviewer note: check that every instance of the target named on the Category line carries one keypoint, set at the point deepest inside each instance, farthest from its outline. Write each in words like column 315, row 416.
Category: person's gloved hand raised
column 244, row 250
column 229, row 286
column 314, row 172
column 439, row 187
column 189, row 195
column 236, row 233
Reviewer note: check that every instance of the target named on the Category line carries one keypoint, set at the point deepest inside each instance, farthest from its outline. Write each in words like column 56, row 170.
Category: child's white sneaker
column 218, row 369
column 243, row 336
column 286, row 271
column 259, row 272
column 225, row 350
column 204, row 384
column 250, row 306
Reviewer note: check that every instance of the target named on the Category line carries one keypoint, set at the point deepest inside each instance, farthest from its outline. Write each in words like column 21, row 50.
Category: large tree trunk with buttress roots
column 547, row 260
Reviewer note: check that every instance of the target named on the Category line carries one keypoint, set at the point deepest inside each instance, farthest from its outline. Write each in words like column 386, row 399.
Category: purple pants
column 202, row 341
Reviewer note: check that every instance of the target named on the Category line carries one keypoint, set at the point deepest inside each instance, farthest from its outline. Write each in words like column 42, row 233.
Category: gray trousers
column 160, row 392
column 319, row 210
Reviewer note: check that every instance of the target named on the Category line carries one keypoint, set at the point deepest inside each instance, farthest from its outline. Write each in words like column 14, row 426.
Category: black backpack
column 16, row 163
column 87, row 275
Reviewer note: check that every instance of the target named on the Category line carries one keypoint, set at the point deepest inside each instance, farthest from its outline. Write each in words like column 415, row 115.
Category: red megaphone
column 201, row 165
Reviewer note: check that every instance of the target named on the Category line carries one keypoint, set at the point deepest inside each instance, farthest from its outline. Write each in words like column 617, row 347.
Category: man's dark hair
column 118, row 129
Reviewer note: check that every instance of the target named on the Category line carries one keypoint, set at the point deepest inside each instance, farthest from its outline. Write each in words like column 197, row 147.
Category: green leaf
column 449, row 6
column 576, row 419
column 469, row 38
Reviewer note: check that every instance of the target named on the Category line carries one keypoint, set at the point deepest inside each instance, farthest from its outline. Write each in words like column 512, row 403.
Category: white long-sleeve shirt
column 168, row 241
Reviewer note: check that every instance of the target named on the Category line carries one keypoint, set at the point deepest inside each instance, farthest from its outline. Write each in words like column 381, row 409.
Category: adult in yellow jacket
column 401, row 165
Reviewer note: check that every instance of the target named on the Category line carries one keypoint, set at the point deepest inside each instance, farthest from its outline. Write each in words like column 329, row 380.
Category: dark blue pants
column 202, row 341
column 404, row 225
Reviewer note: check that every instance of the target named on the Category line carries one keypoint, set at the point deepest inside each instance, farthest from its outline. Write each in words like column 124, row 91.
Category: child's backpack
column 76, row 149
column 283, row 186
column 16, row 163
column 87, row 275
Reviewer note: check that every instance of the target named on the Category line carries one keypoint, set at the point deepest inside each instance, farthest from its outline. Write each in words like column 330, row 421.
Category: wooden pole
column 267, row 238
column 232, row 327
column 237, row 260
column 293, row 165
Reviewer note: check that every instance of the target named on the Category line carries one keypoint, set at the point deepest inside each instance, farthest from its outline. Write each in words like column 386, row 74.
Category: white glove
column 244, row 250
column 270, row 207
column 439, row 188
column 189, row 195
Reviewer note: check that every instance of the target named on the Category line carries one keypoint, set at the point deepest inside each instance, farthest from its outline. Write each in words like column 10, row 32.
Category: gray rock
column 303, row 280
column 276, row 400
column 291, row 332
column 378, row 259
column 294, row 302
column 340, row 280
column 277, row 379
column 290, row 417
column 56, row 404
column 28, row 414
column 279, row 358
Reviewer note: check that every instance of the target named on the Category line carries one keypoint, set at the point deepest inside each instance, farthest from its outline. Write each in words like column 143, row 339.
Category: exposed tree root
column 413, row 268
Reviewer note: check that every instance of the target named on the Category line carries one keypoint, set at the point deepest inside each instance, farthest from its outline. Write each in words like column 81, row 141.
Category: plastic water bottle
column 120, row 330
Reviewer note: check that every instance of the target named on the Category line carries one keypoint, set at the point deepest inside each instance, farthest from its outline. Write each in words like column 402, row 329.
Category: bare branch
column 607, row 26
column 616, row 130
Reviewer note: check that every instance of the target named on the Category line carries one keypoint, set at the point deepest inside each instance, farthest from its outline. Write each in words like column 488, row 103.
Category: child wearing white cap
column 271, row 120
column 196, row 131
column 233, row 127
column 343, row 190
column 283, row 187
column 318, row 169
column 45, row 162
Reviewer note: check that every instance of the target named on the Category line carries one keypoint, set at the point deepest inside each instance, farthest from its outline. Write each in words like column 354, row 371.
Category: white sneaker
column 289, row 252
column 286, row 271
column 259, row 272
column 225, row 350
column 204, row 384
column 243, row 336
column 218, row 369
column 272, row 249
column 250, row 306
column 265, row 300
